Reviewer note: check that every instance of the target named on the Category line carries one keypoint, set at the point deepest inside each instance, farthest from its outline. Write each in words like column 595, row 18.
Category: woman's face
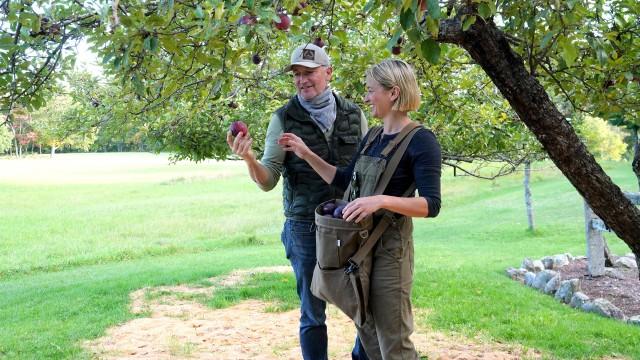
column 380, row 99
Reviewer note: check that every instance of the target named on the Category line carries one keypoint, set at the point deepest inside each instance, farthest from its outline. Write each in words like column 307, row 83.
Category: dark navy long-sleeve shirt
column 422, row 163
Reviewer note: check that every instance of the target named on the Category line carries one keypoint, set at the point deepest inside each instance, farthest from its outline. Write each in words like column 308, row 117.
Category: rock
column 516, row 274
column 542, row 278
column 634, row 320
column 547, row 261
column 527, row 264
column 578, row 299
column 570, row 257
column 567, row 289
column 613, row 273
column 538, row 266
column 625, row 263
column 529, row 277
column 630, row 255
column 560, row 261
column 580, row 258
column 603, row 307
column 552, row 285
column 532, row 265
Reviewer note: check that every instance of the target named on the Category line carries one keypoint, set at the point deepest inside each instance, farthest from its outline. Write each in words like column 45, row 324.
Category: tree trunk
column 488, row 46
column 635, row 165
column 15, row 141
column 53, row 151
column 527, row 194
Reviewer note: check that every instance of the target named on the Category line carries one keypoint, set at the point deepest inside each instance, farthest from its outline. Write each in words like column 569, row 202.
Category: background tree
column 57, row 125
column 602, row 139
column 6, row 139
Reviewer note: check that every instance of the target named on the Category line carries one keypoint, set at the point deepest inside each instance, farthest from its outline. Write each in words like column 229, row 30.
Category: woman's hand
column 241, row 145
column 358, row 209
column 292, row 142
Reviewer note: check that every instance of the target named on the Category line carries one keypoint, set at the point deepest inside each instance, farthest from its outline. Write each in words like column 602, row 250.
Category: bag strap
column 356, row 260
column 405, row 134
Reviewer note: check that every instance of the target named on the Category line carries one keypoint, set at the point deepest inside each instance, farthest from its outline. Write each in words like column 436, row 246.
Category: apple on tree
column 284, row 23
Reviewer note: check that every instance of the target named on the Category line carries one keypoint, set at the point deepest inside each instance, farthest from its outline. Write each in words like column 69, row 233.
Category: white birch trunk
column 528, row 201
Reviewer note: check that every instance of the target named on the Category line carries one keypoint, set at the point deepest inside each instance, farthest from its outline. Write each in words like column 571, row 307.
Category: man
column 332, row 127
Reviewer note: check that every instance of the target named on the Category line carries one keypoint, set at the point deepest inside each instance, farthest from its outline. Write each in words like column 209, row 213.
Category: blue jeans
column 299, row 240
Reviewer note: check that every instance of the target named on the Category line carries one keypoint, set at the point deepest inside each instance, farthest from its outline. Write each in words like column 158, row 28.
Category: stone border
column 540, row 275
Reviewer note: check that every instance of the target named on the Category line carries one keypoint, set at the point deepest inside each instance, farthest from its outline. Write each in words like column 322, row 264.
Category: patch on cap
column 308, row 54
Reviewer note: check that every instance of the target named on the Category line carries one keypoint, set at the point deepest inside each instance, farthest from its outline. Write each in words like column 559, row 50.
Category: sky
column 86, row 60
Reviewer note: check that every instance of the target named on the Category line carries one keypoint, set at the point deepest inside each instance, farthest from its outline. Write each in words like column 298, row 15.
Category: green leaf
column 6, row 42
column 433, row 8
column 466, row 24
column 369, row 6
column 219, row 11
column 342, row 35
column 430, row 50
column 169, row 44
column 147, row 43
column 546, row 38
column 199, row 13
column 154, row 43
column 433, row 26
column 414, row 35
column 601, row 54
column 394, row 39
column 484, row 11
column 107, row 58
column 407, row 19
column 126, row 21
column 568, row 51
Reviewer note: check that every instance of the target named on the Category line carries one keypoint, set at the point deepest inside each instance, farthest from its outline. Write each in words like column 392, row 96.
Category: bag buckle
column 351, row 267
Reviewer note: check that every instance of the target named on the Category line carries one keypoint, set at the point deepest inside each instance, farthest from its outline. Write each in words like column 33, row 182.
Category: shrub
column 604, row 140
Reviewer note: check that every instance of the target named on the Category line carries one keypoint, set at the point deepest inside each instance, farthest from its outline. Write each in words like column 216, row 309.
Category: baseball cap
column 308, row 55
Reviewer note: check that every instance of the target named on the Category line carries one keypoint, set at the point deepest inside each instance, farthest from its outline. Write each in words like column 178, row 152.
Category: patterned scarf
column 322, row 109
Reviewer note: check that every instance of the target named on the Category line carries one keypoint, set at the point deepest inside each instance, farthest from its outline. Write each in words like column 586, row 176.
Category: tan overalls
column 385, row 335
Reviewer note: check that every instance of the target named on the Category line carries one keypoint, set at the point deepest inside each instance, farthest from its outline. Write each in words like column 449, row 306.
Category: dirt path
column 181, row 329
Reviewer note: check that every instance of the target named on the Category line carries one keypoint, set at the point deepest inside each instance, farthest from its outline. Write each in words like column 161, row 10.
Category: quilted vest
column 303, row 189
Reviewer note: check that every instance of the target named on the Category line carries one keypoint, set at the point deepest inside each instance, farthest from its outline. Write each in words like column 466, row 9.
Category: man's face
column 311, row 82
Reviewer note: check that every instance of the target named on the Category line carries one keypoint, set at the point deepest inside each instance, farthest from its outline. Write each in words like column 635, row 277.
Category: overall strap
column 401, row 135
column 404, row 137
column 407, row 134
column 373, row 134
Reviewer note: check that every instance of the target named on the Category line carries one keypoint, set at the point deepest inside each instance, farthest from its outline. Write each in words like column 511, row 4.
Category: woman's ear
column 395, row 93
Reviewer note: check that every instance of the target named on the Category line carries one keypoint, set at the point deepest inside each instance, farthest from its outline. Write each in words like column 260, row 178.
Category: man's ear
column 329, row 72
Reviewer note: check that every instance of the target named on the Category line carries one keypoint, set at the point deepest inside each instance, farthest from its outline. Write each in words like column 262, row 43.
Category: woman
column 392, row 92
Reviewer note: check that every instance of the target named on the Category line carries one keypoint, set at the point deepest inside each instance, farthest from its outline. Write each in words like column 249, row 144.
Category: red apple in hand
column 238, row 127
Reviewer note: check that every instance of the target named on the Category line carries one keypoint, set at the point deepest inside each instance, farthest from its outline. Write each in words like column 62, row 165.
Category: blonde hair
column 394, row 72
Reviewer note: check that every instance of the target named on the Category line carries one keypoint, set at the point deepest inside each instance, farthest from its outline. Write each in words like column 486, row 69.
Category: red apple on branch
column 284, row 23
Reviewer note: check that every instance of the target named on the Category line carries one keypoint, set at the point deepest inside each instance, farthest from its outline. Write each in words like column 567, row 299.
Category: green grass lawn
column 79, row 232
